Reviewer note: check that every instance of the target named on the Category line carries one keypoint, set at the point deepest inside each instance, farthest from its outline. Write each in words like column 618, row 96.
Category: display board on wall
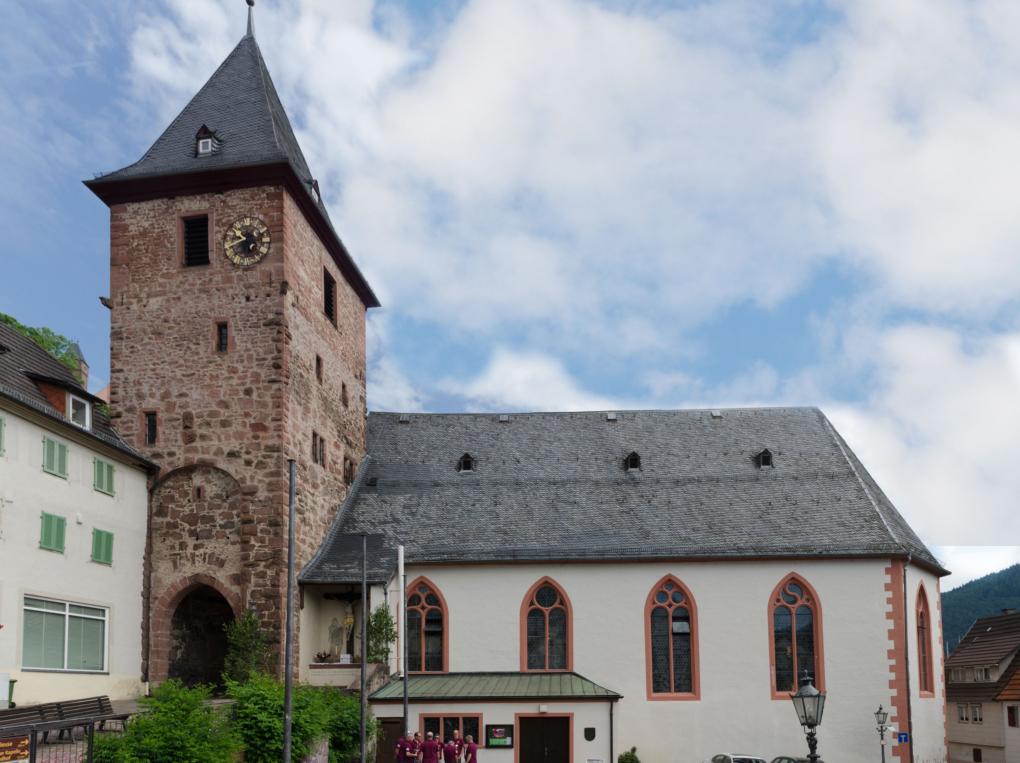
column 499, row 735
column 14, row 750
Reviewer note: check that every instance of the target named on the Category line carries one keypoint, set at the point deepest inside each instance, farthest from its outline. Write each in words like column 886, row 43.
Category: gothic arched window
column 671, row 641
column 426, row 628
column 546, row 628
column 795, row 636
column 925, row 677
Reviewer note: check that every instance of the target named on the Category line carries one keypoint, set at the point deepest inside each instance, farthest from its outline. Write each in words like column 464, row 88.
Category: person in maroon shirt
column 472, row 750
column 458, row 742
column 430, row 749
column 413, row 750
column 403, row 745
column 450, row 751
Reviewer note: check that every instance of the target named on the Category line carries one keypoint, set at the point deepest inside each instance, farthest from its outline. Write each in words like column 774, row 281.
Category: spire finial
column 251, row 17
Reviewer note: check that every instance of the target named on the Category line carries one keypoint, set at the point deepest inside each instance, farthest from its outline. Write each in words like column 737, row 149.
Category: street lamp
column 809, row 703
column 880, row 720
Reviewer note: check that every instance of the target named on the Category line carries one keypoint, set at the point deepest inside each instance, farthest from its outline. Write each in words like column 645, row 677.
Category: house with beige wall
column 983, row 692
column 577, row 584
column 73, row 514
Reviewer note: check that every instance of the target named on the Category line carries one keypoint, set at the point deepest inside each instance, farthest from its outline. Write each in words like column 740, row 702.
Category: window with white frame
column 976, row 714
column 79, row 411
column 63, row 636
column 961, row 714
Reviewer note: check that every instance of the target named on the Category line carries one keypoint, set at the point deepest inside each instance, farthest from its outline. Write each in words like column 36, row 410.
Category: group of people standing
column 413, row 749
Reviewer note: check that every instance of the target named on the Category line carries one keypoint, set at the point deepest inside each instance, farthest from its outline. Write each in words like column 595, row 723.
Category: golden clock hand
column 236, row 241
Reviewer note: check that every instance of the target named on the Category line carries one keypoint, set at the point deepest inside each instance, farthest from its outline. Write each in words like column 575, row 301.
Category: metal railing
column 67, row 741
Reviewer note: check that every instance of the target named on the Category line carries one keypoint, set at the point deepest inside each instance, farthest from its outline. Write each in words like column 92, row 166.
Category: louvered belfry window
column 329, row 296
column 196, row 241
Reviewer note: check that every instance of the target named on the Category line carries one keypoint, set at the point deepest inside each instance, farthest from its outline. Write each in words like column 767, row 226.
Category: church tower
column 237, row 342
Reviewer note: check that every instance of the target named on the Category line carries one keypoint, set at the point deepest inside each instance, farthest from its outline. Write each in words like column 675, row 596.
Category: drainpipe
column 611, row 703
column 906, row 655
column 402, row 629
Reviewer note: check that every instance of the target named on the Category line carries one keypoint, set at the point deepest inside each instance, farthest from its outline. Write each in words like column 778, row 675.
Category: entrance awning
column 477, row 687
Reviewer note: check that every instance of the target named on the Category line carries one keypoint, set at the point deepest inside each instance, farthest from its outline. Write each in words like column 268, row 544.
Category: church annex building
column 576, row 583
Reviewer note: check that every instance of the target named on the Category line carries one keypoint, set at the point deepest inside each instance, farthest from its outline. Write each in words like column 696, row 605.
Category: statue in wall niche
column 336, row 636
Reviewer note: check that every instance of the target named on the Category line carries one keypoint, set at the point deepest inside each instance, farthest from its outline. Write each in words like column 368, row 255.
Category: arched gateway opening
column 198, row 643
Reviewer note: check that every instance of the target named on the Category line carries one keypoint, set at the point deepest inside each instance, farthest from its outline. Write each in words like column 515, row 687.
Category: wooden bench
column 75, row 711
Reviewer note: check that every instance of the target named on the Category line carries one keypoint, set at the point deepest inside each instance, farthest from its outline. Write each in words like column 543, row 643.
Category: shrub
column 382, row 632
column 177, row 727
column 247, row 649
column 257, row 715
column 629, row 757
column 344, row 724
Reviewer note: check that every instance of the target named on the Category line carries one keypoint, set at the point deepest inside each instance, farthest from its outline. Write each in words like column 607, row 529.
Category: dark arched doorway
column 198, row 643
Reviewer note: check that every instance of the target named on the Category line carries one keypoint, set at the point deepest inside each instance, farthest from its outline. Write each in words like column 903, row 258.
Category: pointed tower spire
column 251, row 18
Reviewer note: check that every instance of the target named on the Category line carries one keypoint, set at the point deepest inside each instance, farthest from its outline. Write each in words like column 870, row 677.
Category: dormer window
column 763, row 459
column 466, row 463
column 79, row 411
column 206, row 142
column 632, row 462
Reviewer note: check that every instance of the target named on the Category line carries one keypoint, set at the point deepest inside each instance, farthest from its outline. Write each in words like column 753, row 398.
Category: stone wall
column 228, row 422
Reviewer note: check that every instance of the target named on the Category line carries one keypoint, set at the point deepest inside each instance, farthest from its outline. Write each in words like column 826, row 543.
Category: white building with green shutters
column 73, row 513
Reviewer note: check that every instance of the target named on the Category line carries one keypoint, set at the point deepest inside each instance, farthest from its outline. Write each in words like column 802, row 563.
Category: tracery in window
column 426, row 631
column 546, row 628
column 671, row 641
column 795, row 635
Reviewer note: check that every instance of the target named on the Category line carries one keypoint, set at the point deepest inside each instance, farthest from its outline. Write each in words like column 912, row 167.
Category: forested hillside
column 979, row 598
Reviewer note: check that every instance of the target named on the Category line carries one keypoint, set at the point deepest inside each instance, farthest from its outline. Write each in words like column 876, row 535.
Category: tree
column 382, row 632
column 57, row 345
column 248, row 650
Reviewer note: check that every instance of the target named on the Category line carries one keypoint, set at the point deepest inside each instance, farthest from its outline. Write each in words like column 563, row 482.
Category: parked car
column 788, row 759
column 736, row 758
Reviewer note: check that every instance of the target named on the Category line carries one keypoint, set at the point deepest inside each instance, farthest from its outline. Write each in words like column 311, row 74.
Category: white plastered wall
column 928, row 713
column 25, row 569
column 736, row 711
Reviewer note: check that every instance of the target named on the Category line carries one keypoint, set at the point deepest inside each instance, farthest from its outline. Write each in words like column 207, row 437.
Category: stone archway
column 198, row 643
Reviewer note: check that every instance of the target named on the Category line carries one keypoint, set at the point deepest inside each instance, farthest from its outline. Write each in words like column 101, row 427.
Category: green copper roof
column 483, row 686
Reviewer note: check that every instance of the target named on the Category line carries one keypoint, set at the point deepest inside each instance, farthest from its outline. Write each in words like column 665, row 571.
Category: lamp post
column 809, row 703
column 880, row 720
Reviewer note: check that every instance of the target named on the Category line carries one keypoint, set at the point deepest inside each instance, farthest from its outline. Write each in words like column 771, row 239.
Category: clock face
column 247, row 241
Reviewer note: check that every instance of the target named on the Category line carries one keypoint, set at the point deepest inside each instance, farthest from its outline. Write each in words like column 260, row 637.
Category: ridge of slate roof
column 240, row 104
column 23, row 361
column 552, row 487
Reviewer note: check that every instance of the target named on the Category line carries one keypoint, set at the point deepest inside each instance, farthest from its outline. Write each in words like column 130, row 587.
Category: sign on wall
column 499, row 735
column 14, row 750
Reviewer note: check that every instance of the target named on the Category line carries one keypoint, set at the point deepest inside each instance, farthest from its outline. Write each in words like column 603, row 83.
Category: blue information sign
column 903, row 737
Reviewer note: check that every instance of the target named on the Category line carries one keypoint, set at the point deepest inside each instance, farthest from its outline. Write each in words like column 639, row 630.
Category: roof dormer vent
column 404, row 419
column 611, row 416
column 206, row 142
column 763, row 459
column 632, row 463
column 504, row 418
column 466, row 463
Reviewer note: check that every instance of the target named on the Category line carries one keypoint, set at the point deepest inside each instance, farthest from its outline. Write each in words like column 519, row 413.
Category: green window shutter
column 102, row 476
column 54, row 457
column 51, row 536
column 102, row 546
column 61, row 459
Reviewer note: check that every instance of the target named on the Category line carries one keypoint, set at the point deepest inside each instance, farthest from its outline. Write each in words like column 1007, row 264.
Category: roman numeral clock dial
column 247, row 241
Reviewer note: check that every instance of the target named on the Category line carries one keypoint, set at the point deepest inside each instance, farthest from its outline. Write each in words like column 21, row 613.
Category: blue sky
column 569, row 205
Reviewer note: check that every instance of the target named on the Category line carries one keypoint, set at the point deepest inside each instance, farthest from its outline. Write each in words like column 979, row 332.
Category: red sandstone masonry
column 896, row 615
column 229, row 421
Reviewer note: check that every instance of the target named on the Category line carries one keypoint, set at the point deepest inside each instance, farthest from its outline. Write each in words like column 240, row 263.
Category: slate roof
column 989, row 641
column 23, row 363
column 493, row 686
column 241, row 107
column 552, row 486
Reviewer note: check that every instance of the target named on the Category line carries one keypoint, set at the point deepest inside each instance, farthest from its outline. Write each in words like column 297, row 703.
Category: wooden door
column 386, row 747
column 544, row 739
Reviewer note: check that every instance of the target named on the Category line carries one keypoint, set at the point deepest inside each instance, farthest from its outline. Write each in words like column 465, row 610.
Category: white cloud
column 938, row 432
column 971, row 562
column 525, row 381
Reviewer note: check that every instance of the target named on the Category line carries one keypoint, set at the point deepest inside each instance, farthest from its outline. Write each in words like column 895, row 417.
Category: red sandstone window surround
column 671, row 641
column 546, row 628
column 318, row 368
column 925, row 677
column 194, row 234
column 329, row 296
column 427, row 647
column 795, row 636
column 150, row 430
